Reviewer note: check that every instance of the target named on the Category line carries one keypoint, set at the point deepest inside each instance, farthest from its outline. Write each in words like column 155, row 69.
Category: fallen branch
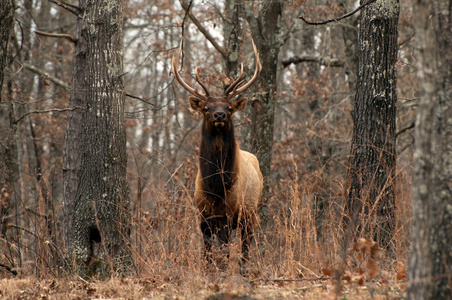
column 290, row 280
column 339, row 18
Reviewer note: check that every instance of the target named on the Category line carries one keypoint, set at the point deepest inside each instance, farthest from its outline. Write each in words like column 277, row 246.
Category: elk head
column 217, row 110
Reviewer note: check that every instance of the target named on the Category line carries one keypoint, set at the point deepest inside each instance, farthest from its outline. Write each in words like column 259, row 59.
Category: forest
column 104, row 122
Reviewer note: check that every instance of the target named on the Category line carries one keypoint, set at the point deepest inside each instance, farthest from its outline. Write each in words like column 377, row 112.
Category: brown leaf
column 372, row 268
column 347, row 278
column 327, row 272
column 401, row 273
column 366, row 246
column 360, row 271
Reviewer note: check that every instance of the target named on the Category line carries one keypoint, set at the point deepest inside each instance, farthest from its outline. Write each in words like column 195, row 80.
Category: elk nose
column 219, row 116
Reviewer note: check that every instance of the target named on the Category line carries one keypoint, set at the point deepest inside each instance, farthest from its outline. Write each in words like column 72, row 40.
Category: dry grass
column 300, row 261
column 220, row 287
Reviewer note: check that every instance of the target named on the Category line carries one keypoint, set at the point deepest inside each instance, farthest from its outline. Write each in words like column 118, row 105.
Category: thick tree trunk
column 101, row 217
column 266, row 32
column 371, row 199
column 73, row 138
column 430, row 263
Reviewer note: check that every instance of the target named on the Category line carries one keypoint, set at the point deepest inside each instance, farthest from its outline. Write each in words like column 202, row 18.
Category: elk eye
column 206, row 109
column 230, row 109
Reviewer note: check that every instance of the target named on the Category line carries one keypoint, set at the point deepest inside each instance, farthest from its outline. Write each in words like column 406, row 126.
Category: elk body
column 229, row 182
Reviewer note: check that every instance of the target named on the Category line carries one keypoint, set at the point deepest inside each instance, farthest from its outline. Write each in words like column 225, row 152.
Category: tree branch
column 412, row 125
column 46, row 111
column 204, row 31
column 47, row 76
column 324, row 61
column 56, row 35
column 74, row 9
column 8, row 268
column 339, row 18
column 141, row 99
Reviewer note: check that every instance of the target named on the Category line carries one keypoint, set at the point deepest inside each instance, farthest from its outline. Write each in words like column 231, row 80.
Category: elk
column 229, row 182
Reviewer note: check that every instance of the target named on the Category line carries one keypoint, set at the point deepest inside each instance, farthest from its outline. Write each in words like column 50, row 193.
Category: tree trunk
column 371, row 198
column 350, row 37
column 101, row 217
column 430, row 263
column 232, row 30
column 7, row 147
column 73, row 138
column 266, row 32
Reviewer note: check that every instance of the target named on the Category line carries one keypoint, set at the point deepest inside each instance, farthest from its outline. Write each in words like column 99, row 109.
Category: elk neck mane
column 218, row 162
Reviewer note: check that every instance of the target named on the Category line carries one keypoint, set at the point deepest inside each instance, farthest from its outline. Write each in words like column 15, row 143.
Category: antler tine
column 191, row 90
column 258, row 68
column 201, row 83
column 234, row 84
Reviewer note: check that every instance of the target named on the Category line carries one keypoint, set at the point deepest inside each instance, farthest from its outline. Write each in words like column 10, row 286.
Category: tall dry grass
column 304, row 240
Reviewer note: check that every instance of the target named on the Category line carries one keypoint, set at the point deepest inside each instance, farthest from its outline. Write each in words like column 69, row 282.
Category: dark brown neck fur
column 217, row 161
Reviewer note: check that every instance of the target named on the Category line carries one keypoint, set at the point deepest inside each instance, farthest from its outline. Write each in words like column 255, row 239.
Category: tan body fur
column 245, row 194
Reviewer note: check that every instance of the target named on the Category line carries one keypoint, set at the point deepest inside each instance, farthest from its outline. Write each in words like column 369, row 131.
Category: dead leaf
column 347, row 278
column 401, row 273
column 327, row 272
column 372, row 268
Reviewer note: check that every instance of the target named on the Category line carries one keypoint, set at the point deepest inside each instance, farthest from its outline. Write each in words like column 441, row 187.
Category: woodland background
column 310, row 161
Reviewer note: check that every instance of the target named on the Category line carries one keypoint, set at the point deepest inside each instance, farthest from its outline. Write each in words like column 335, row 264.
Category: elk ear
column 196, row 104
column 239, row 104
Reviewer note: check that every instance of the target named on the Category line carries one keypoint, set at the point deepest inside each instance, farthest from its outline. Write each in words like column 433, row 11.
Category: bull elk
column 229, row 182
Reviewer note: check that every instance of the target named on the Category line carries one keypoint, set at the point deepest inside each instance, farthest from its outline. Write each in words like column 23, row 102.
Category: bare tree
column 101, row 218
column 7, row 145
column 266, row 32
column 371, row 198
column 430, row 263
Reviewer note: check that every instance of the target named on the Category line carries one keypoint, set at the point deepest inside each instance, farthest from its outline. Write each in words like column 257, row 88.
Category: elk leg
column 247, row 234
column 224, row 230
column 206, row 229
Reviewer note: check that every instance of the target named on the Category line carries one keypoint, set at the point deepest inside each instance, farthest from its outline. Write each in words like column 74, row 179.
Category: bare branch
column 74, row 9
column 339, row 18
column 8, row 268
column 46, row 111
column 47, row 76
column 324, row 61
column 56, row 35
column 203, row 30
column 139, row 98
column 411, row 126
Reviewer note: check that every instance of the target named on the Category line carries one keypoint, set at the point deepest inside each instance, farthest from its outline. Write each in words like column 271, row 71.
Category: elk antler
column 234, row 89
column 193, row 91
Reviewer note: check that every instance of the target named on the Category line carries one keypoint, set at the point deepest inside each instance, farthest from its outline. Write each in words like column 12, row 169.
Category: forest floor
column 214, row 287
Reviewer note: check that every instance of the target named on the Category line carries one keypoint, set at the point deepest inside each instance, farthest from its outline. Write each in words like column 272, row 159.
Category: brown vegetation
column 301, row 254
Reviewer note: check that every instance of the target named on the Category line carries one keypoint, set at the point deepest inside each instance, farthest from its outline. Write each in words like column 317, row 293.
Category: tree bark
column 371, row 198
column 101, row 217
column 266, row 33
column 430, row 263
column 73, row 139
column 232, row 32
column 7, row 152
